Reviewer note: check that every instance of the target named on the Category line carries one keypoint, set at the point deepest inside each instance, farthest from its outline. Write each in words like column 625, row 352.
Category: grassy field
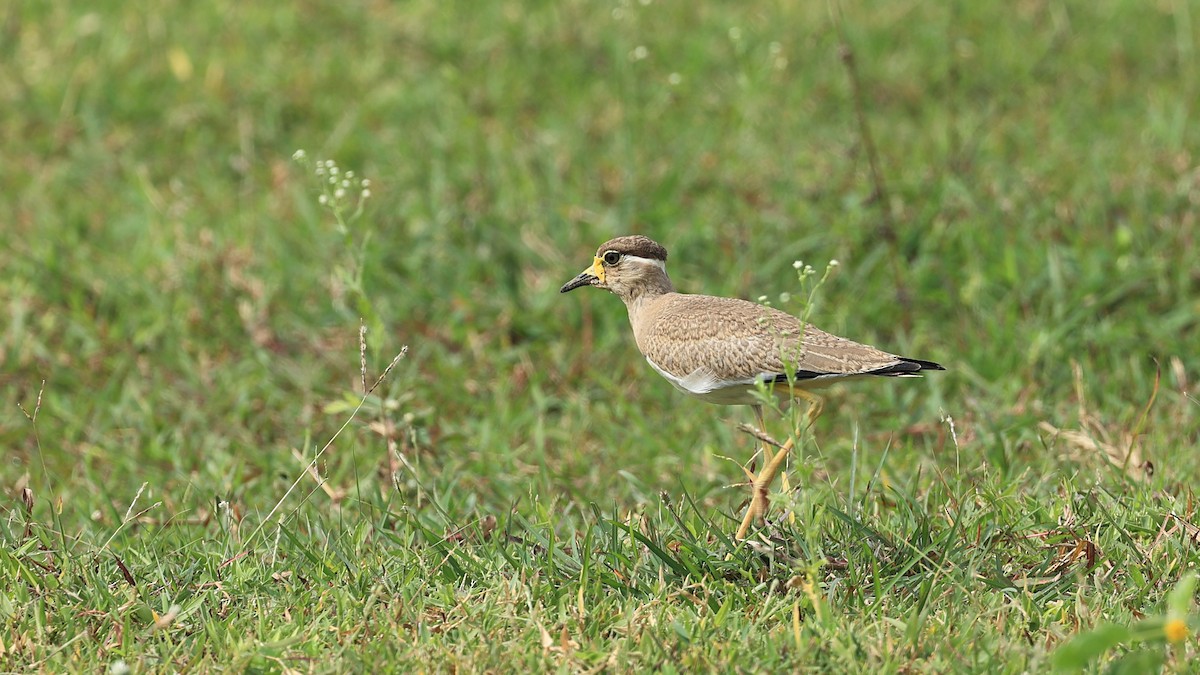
column 1011, row 189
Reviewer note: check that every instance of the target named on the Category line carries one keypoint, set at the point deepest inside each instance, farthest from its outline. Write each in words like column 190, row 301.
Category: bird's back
column 737, row 340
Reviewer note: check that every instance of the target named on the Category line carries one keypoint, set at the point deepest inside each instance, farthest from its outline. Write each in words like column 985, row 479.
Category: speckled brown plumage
column 736, row 339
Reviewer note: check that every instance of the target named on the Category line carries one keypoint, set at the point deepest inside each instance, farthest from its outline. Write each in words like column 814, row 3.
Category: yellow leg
column 762, row 483
column 758, row 490
column 767, row 452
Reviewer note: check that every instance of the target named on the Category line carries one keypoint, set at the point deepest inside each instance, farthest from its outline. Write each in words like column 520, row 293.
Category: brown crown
column 639, row 245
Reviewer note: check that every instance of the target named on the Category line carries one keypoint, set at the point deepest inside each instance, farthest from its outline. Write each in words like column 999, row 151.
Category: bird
column 726, row 350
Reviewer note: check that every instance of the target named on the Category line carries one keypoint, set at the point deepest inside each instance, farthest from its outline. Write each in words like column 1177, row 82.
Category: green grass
column 522, row 492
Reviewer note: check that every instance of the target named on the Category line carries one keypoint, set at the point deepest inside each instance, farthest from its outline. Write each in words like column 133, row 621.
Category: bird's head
column 626, row 266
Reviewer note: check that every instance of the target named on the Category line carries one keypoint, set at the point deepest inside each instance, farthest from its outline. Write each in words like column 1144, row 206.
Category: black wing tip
column 923, row 365
column 906, row 367
column 800, row 375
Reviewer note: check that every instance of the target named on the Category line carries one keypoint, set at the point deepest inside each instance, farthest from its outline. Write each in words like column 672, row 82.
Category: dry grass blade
column 125, row 571
column 1082, row 443
column 759, row 434
column 1094, row 436
column 328, row 444
column 1141, row 424
column 1071, row 553
column 1193, row 532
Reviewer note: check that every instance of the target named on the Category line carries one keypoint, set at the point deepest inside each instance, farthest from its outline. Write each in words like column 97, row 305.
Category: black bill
column 584, row 279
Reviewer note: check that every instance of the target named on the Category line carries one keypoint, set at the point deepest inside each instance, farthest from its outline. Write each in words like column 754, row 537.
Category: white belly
column 705, row 386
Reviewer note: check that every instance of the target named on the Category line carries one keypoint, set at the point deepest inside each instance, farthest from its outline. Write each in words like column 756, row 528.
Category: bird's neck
column 647, row 288
column 638, row 299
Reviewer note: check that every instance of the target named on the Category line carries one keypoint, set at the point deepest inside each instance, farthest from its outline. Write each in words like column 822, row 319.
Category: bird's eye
column 612, row 258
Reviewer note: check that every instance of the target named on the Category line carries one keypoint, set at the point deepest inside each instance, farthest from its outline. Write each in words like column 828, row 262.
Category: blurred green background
column 194, row 311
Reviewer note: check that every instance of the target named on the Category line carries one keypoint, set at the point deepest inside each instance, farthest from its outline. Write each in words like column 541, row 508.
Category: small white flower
column 349, row 174
column 639, row 52
column 834, row 263
column 762, row 298
column 298, row 155
column 339, row 193
column 320, row 170
column 785, row 297
column 333, row 170
column 366, row 182
column 674, row 79
column 346, row 183
column 118, row 667
column 323, row 200
column 366, row 194
column 799, row 264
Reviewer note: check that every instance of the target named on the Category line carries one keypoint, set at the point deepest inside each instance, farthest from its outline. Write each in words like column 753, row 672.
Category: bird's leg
column 762, row 482
column 767, row 452
column 758, row 490
column 815, row 406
